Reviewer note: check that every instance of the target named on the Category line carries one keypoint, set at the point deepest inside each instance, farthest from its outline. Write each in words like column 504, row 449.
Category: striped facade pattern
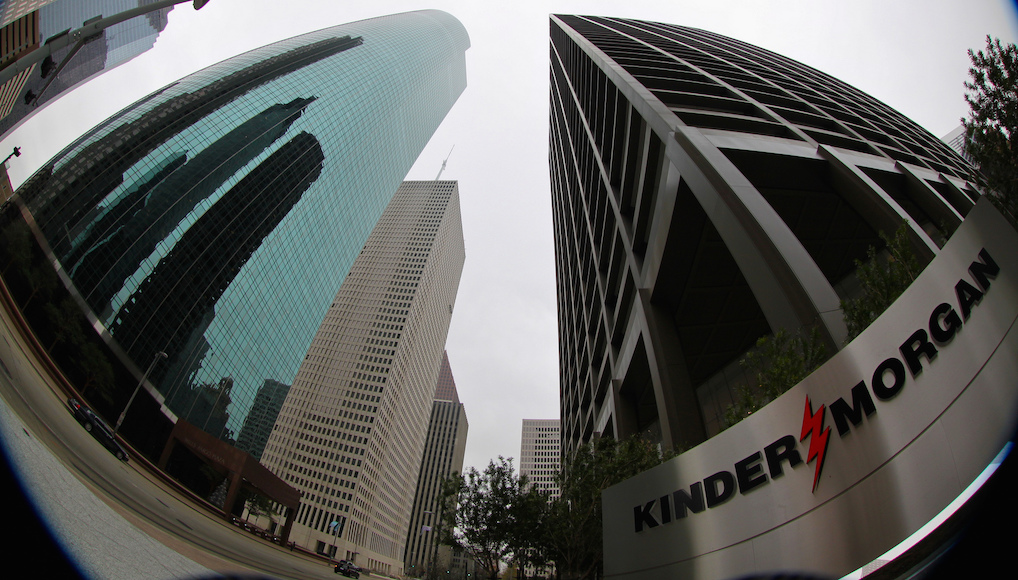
column 707, row 193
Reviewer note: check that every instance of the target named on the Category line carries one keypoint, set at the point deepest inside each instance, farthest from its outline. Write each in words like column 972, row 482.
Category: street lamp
column 16, row 153
column 78, row 37
column 5, row 182
column 337, row 528
column 432, row 571
column 155, row 359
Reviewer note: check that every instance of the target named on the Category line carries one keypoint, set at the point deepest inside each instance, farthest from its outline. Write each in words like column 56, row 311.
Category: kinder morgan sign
column 858, row 456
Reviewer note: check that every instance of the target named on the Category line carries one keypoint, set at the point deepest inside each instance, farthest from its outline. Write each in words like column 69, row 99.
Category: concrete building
column 443, row 456
column 540, row 453
column 956, row 140
column 353, row 429
column 27, row 24
column 214, row 219
column 707, row 193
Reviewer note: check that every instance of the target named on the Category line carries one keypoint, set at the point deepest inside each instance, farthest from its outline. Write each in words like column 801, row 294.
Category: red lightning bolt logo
column 813, row 423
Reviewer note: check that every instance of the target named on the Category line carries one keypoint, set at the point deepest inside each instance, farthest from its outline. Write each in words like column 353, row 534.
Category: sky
column 502, row 343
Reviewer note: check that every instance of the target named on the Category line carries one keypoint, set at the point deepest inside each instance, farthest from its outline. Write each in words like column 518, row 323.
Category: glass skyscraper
column 215, row 218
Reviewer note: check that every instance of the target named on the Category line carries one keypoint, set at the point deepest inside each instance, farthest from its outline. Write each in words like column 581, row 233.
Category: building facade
column 956, row 140
column 707, row 193
column 352, row 431
column 214, row 219
column 443, row 456
column 258, row 424
column 540, row 454
column 38, row 85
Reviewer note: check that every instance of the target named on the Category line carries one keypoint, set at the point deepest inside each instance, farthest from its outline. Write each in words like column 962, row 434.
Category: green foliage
column 992, row 95
column 779, row 362
column 64, row 322
column 573, row 530
column 529, row 519
column 495, row 516
column 883, row 278
column 482, row 513
column 16, row 248
column 96, row 370
column 55, row 316
column 21, row 259
column 257, row 504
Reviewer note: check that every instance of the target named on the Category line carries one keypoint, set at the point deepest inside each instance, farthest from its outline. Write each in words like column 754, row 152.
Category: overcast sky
column 502, row 345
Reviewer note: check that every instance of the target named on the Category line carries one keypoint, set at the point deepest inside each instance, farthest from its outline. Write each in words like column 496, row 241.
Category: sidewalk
column 101, row 541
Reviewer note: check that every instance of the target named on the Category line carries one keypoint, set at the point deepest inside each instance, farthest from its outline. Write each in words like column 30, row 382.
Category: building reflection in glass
column 215, row 218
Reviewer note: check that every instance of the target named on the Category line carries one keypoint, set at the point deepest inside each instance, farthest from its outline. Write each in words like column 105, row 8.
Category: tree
column 779, row 362
column 883, row 278
column 16, row 248
column 257, row 504
column 479, row 512
column 574, row 533
column 24, row 265
column 96, row 371
column 63, row 320
column 529, row 519
column 783, row 360
column 992, row 95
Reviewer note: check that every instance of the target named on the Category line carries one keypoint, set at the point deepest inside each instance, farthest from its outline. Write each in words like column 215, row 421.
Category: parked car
column 97, row 427
column 348, row 569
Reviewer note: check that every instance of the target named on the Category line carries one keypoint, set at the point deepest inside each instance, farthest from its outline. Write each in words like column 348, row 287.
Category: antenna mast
column 444, row 162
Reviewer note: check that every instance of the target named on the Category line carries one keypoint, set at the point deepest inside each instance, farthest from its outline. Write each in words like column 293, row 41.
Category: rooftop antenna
column 444, row 162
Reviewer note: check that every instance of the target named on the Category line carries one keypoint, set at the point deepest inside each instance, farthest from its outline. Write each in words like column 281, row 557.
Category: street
column 114, row 519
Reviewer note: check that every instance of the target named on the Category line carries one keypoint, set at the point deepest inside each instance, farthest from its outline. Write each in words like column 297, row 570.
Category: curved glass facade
column 214, row 219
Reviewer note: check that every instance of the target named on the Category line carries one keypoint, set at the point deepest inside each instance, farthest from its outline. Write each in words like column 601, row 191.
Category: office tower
column 956, row 140
column 707, row 193
column 17, row 39
column 214, row 219
column 11, row 10
column 254, row 434
column 540, row 457
column 352, row 430
column 39, row 84
column 443, row 456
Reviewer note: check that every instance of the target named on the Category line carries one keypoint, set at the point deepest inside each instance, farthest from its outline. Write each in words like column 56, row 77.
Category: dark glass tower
column 706, row 193
column 214, row 219
column 443, row 456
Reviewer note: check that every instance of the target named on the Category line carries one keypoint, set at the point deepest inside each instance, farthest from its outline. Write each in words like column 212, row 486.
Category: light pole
column 433, row 563
column 79, row 36
column 16, row 153
column 155, row 359
column 337, row 528
column 5, row 182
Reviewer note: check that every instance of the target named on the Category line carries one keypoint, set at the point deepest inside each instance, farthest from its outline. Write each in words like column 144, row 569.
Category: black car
column 348, row 569
column 97, row 427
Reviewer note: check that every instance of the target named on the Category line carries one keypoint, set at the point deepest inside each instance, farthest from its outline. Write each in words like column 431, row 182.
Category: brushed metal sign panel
column 900, row 421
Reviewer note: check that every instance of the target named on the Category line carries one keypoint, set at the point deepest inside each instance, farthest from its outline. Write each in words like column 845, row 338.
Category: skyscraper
column 214, row 219
column 956, row 140
column 352, row 430
column 38, row 85
column 707, row 193
column 258, row 424
column 443, row 455
column 540, row 453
